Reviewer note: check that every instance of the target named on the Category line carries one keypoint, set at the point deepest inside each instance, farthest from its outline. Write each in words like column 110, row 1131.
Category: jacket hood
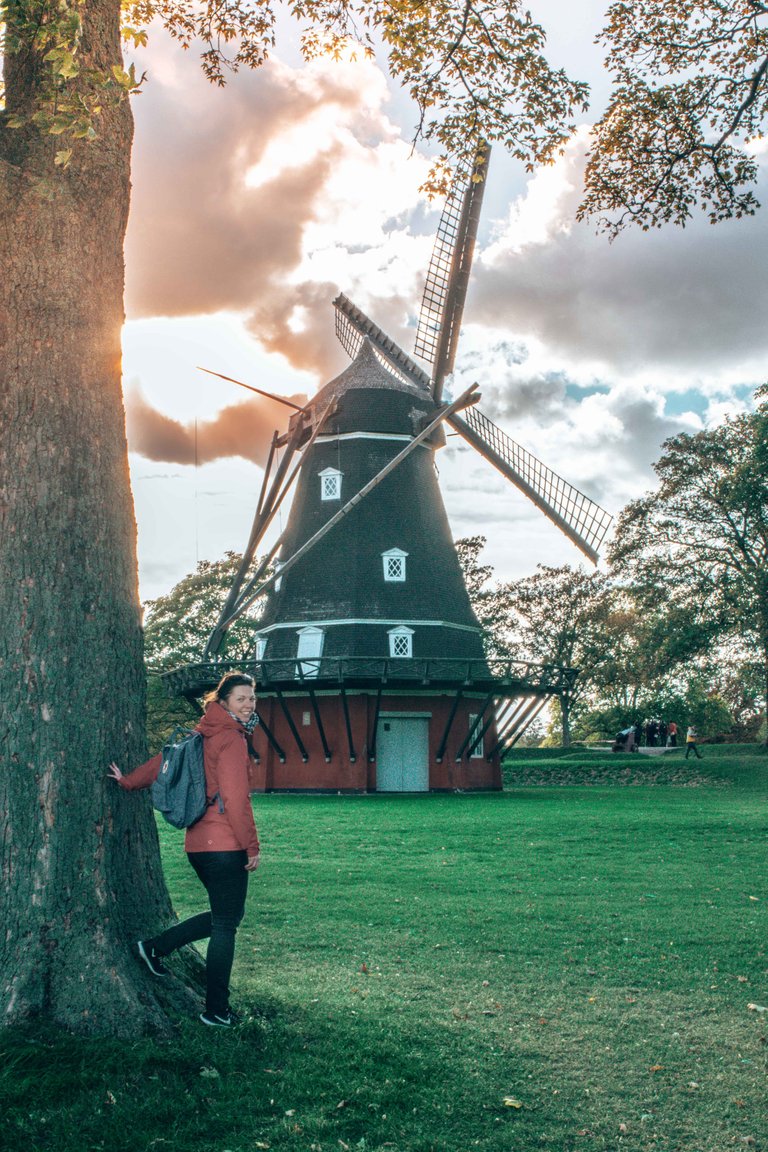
column 217, row 720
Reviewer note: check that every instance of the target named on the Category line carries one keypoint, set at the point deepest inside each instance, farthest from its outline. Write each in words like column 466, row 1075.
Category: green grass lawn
column 570, row 967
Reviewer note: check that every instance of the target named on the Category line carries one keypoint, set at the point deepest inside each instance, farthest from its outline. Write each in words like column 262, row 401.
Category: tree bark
column 80, row 861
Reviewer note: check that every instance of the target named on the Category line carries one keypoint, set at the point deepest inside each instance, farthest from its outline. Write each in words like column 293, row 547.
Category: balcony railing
column 506, row 677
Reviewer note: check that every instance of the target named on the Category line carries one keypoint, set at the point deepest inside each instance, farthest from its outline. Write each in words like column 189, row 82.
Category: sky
column 254, row 205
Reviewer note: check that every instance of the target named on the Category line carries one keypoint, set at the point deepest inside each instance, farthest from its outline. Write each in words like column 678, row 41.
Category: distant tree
column 699, row 543
column 165, row 713
column 178, row 624
column 558, row 619
column 490, row 600
column 645, row 645
column 690, row 92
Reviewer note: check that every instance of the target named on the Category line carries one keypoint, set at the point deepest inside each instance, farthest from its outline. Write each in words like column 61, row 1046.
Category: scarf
column 248, row 725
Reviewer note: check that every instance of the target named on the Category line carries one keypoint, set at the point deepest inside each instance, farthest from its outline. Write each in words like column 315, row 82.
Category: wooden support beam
column 347, row 722
column 444, row 741
column 372, row 744
column 270, row 737
column 294, row 730
column 470, row 740
column 481, row 734
column 515, row 708
column 527, row 721
column 318, row 720
column 521, row 719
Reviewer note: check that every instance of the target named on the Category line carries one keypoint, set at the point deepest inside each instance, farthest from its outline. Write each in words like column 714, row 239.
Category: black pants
column 692, row 748
column 226, row 881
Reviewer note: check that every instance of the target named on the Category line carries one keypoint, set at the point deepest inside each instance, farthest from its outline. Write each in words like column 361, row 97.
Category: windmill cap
column 371, row 398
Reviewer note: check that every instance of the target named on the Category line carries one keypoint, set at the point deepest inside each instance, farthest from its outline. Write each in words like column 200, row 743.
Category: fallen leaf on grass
column 756, row 1008
column 210, row 1074
column 623, row 1129
column 512, row 1102
column 656, row 1068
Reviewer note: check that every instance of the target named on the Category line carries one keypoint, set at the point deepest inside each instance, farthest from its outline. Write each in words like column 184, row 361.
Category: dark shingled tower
column 390, row 563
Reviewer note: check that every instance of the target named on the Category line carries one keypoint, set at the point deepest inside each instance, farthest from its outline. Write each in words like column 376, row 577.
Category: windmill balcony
column 504, row 677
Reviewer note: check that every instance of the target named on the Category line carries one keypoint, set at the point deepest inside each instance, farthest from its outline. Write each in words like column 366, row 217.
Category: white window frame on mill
column 330, row 484
column 310, row 650
column 394, row 565
column 401, row 643
column 261, row 644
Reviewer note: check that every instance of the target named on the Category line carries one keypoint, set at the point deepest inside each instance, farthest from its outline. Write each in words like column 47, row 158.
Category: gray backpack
column 179, row 790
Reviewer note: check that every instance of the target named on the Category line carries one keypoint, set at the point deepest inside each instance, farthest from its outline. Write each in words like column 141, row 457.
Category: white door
column 402, row 754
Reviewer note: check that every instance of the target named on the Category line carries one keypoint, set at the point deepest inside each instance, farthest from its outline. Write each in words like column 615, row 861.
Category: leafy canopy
column 474, row 69
column 699, row 542
column 178, row 624
column 689, row 101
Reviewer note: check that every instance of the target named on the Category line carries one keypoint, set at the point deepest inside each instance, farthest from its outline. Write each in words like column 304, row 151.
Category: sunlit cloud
column 301, row 188
column 243, row 429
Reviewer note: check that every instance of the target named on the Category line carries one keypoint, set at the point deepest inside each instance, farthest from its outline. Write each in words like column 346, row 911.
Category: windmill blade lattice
column 353, row 326
column 579, row 517
column 445, row 290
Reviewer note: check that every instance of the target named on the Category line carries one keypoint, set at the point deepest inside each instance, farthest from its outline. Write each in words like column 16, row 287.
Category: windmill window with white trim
column 330, row 484
column 261, row 646
column 309, row 651
column 394, row 565
column 401, row 643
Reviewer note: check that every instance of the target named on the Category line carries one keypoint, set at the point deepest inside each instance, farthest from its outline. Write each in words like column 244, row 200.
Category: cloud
column 269, row 197
column 682, row 300
column 244, row 429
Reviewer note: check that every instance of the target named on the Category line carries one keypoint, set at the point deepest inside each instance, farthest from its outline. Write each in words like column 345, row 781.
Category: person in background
column 222, row 847
column 691, row 738
column 672, row 734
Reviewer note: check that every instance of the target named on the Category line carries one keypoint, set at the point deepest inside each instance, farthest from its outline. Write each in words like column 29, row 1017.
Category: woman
column 223, row 846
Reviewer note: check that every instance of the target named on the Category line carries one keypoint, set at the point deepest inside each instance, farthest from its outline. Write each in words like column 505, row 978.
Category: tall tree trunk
column 80, row 861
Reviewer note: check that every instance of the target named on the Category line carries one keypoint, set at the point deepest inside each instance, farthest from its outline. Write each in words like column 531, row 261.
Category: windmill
column 369, row 658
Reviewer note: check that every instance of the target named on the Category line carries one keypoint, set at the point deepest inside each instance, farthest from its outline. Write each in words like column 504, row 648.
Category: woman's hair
column 225, row 686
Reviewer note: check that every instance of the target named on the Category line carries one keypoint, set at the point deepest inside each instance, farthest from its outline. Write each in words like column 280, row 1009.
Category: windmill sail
column 445, row 290
column 353, row 326
column 580, row 518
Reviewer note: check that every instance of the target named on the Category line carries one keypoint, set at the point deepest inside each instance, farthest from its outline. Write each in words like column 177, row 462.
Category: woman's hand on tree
column 114, row 772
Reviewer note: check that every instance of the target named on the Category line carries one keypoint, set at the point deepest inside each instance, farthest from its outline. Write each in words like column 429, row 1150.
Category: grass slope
column 559, row 968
